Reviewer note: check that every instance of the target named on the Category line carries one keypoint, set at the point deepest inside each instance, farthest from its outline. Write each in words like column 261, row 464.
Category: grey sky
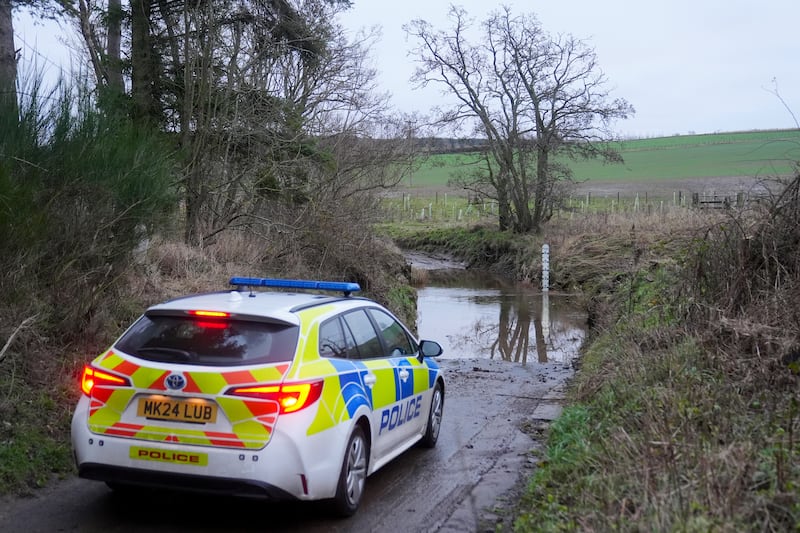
column 685, row 65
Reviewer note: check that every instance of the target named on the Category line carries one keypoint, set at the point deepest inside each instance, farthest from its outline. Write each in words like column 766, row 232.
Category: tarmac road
column 469, row 482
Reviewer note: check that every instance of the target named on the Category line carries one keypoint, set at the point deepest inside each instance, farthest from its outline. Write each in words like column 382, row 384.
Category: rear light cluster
column 92, row 377
column 291, row 397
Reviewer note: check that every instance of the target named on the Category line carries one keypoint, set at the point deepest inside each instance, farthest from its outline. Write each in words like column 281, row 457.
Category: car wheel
column 353, row 475
column 434, row 418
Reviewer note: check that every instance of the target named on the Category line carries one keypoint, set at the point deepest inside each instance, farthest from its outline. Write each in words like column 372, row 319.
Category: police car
column 286, row 394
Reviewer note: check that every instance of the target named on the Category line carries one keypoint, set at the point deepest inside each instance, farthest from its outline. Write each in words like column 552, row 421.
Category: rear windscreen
column 170, row 339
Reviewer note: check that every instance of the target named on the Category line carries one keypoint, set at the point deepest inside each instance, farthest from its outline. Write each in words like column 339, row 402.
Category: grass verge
column 685, row 413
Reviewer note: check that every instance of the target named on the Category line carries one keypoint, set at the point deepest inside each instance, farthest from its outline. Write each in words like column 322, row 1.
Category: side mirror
column 429, row 349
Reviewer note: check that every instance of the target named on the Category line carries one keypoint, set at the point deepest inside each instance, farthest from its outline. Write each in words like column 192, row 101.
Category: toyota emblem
column 175, row 382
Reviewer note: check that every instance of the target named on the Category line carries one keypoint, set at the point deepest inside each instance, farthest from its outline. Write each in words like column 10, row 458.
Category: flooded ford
column 486, row 318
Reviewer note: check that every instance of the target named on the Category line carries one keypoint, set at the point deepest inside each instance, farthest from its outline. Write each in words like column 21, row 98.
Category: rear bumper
column 184, row 482
column 282, row 470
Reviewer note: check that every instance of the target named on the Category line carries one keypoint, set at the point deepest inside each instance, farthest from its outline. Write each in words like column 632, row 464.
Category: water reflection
column 490, row 319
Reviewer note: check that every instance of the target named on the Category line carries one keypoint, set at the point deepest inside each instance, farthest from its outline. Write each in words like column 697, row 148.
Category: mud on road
column 469, row 482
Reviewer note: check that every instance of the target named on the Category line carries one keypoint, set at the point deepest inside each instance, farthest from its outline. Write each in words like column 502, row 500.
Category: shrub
column 79, row 190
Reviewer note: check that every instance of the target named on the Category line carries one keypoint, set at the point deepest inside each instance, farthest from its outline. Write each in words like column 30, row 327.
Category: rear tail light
column 92, row 377
column 290, row 396
column 207, row 324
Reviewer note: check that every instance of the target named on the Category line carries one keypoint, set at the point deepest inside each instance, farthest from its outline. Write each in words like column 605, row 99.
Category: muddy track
column 469, row 482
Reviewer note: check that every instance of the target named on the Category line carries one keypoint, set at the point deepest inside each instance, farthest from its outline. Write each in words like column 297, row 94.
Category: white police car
column 248, row 392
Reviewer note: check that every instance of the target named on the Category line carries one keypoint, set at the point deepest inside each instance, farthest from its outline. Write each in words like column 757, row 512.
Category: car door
column 412, row 377
column 379, row 378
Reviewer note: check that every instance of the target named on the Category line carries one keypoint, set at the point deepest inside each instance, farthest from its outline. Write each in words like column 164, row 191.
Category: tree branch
column 10, row 340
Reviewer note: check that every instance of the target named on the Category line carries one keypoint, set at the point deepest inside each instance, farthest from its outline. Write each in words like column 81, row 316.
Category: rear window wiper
column 165, row 354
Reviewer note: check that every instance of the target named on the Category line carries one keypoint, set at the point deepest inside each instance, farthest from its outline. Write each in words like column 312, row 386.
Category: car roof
column 275, row 305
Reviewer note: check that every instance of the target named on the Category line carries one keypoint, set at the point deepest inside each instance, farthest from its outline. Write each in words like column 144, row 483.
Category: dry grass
column 659, row 223
column 169, row 268
column 686, row 411
column 39, row 369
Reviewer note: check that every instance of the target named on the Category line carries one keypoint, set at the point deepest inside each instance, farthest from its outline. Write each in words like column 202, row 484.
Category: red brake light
column 210, row 314
column 92, row 377
column 208, row 324
column 290, row 396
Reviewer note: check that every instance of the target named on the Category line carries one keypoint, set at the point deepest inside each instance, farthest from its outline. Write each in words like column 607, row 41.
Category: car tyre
column 434, row 418
column 353, row 475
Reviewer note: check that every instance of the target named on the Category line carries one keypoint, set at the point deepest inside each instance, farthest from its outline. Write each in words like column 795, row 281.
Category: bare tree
column 532, row 96
column 8, row 56
column 269, row 100
column 8, row 53
column 280, row 110
column 45, row 9
column 95, row 22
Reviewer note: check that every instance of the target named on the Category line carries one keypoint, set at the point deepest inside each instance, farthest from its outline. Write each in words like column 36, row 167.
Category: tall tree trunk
column 143, row 59
column 92, row 44
column 503, row 206
column 113, row 56
column 540, row 188
column 8, row 57
column 523, row 195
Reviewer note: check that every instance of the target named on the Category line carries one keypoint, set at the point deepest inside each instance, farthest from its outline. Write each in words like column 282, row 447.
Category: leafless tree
column 534, row 98
column 293, row 121
column 8, row 55
column 269, row 100
column 46, row 9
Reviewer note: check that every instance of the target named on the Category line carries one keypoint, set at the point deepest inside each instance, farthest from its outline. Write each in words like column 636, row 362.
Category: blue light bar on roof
column 342, row 286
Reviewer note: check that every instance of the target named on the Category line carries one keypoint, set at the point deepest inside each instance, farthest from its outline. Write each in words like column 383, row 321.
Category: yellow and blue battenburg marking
column 345, row 390
column 351, row 383
column 251, row 421
column 403, row 389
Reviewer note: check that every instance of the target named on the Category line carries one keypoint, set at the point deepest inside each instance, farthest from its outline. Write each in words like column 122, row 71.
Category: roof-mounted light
column 338, row 286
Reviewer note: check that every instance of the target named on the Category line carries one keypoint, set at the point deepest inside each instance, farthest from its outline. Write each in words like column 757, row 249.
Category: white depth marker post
column 546, row 292
column 545, row 267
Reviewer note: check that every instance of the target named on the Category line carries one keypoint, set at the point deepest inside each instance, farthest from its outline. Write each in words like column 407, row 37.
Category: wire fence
column 466, row 209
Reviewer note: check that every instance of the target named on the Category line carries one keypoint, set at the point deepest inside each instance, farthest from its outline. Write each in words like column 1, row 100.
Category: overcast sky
column 685, row 65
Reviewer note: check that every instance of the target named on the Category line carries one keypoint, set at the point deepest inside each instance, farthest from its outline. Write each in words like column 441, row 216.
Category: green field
column 750, row 154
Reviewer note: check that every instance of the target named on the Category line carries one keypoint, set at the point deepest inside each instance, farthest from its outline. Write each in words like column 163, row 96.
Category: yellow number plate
column 167, row 456
column 194, row 410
